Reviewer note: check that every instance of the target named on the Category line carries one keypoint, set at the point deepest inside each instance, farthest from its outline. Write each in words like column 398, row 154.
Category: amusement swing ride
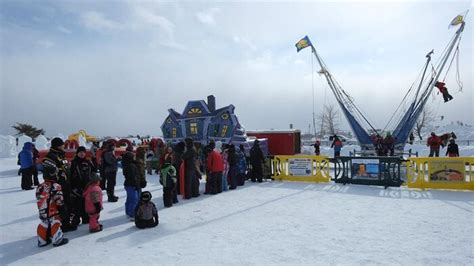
column 410, row 108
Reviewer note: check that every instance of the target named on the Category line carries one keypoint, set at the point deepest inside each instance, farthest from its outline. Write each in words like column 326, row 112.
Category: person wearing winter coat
column 93, row 202
column 453, row 150
column 27, row 168
column 35, row 169
column 225, row 156
column 168, row 181
column 411, row 138
column 434, row 142
column 140, row 161
column 337, row 145
column 442, row 88
column 177, row 160
column 50, row 202
column 149, row 157
column 242, row 166
column 256, row 160
column 146, row 214
column 81, row 171
column 233, row 164
column 110, row 167
column 317, row 149
column 215, row 168
column 389, row 143
column 191, row 179
column 131, row 184
column 56, row 156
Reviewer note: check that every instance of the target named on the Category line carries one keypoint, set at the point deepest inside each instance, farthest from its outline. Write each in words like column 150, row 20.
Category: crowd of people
column 71, row 193
column 385, row 146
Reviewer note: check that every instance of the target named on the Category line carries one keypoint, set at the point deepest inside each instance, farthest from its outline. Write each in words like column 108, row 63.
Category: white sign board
column 299, row 167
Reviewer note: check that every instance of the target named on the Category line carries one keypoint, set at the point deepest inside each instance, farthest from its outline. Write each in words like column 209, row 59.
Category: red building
column 280, row 142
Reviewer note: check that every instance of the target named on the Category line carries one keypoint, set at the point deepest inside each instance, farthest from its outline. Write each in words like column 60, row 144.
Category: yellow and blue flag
column 457, row 20
column 303, row 43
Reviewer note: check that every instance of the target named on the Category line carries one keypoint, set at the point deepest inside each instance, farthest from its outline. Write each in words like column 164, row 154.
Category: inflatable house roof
column 202, row 122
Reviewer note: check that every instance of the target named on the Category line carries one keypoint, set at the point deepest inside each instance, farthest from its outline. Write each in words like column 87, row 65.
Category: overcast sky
column 114, row 68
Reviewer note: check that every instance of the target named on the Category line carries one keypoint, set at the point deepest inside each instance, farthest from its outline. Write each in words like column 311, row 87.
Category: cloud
column 45, row 43
column 149, row 17
column 64, row 30
column 97, row 21
column 208, row 16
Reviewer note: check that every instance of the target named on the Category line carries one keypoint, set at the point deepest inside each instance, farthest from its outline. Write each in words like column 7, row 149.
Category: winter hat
column 28, row 145
column 146, row 196
column 94, row 178
column 189, row 142
column 81, row 149
column 56, row 143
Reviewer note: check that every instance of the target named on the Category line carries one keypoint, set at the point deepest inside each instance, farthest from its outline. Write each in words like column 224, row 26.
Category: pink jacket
column 92, row 195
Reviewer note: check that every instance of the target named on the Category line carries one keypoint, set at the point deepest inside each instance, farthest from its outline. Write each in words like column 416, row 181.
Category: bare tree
column 426, row 118
column 329, row 119
column 28, row 130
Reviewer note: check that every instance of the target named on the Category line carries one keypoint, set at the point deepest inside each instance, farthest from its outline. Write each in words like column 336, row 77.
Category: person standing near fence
column 434, row 142
column 453, row 150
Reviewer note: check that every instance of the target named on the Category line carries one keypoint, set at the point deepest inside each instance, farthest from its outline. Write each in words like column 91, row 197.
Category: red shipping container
column 280, row 142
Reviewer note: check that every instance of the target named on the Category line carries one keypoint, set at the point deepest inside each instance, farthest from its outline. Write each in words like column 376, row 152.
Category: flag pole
column 312, row 87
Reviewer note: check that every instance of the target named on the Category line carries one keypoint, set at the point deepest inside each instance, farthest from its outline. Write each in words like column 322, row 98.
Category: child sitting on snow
column 93, row 203
column 146, row 214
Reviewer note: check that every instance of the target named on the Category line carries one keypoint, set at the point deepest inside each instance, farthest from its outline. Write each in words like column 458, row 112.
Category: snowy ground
column 268, row 223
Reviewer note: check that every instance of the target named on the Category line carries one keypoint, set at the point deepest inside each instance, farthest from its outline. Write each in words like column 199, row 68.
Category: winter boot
column 44, row 244
column 112, row 198
column 63, row 241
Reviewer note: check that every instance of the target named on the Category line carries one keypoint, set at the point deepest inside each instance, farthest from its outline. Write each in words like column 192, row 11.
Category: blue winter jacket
column 242, row 164
column 26, row 156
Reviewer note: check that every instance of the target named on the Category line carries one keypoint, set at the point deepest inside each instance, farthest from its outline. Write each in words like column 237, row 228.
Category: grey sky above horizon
column 115, row 68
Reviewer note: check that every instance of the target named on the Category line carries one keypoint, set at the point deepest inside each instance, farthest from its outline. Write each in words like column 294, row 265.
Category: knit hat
column 146, row 196
column 56, row 143
column 94, row 177
column 81, row 149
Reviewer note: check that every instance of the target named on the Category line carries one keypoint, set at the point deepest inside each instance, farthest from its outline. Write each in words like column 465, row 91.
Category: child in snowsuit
column 146, row 214
column 131, row 184
column 50, row 203
column 225, row 155
column 442, row 88
column 168, row 180
column 453, row 150
column 81, row 171
column 93, row 203
column 27, row 167
column 242, row 166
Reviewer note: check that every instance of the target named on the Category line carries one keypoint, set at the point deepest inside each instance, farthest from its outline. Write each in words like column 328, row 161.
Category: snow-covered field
column 267, row 223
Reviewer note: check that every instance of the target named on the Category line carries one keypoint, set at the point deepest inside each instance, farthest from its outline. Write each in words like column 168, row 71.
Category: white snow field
column 267, row 223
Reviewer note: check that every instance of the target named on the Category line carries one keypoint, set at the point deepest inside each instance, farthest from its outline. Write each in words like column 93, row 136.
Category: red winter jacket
column 215, row 163
column 434, row 142
column 441, row 86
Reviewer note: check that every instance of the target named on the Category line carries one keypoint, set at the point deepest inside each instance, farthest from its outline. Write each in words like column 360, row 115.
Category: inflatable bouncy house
column 202, row 122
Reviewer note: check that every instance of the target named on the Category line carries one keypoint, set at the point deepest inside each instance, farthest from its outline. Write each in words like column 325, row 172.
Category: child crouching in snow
column 146, row 214
column 93, row 203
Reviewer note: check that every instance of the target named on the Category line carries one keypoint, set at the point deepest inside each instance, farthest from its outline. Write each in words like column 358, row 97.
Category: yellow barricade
column 441, row 173
column 306, row 168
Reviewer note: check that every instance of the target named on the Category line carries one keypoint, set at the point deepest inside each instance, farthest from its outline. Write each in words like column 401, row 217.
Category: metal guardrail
column 379, row 171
